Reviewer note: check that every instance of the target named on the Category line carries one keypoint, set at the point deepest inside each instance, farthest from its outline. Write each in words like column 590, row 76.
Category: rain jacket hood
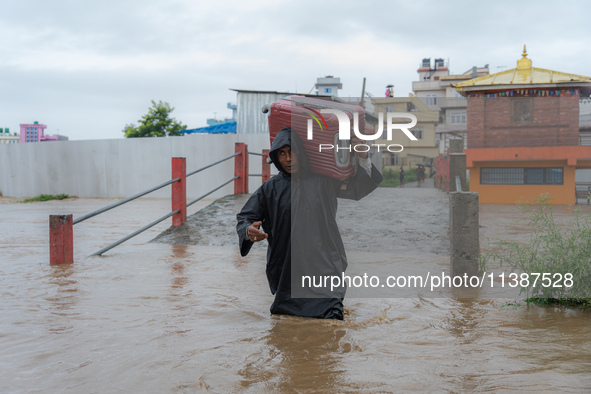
column 286, row 137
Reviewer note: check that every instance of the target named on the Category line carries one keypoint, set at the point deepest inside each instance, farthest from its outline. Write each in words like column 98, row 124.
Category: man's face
column 287, row 159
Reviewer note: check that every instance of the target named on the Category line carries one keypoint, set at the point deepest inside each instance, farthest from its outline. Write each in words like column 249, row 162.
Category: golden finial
column 524, row 62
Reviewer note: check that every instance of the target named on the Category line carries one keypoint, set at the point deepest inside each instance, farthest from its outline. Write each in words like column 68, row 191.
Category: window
column 521, row 176
column 431, row 99
column 522, row 111
column 410, row 107
column 394, row 160
column 327, row 90
column 417, row 132
column 457, row 117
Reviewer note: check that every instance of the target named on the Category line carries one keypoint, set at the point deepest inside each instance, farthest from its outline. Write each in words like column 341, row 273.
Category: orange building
column 523, row 134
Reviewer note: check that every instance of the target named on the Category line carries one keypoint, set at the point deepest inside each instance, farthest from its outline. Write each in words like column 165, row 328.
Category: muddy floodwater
column 185, row 313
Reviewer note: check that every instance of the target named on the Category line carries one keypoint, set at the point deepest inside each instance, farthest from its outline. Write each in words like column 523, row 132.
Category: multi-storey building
column 420, row 151
column 435, row 88
column 36, row 132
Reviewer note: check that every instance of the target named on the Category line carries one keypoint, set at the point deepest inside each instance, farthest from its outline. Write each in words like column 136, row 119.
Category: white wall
column 583, row 176
column 123, row 167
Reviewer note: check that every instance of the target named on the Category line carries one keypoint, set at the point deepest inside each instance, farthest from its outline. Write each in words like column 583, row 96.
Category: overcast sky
column 88, row 68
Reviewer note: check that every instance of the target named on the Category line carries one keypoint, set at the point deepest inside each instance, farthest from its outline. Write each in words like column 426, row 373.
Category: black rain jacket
column 302, row 212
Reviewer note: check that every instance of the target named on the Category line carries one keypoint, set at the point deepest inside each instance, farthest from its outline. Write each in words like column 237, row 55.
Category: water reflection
column 464, row 319
column 556, row 338
column 63, row 299
column 179, row 291
column 179, row 279
column 299, row 355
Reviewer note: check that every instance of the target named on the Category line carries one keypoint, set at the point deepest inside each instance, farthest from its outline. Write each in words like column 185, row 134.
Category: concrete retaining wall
column 122, row 167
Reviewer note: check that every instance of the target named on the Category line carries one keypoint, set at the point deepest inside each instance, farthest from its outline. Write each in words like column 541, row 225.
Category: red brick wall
column 555, row 123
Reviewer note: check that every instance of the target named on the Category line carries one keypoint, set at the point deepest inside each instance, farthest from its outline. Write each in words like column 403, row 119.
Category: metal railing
column 211, row 191
column 118, row 203
column 266, row 171
column 128, row 237
column 61, row 233
column 135, row 233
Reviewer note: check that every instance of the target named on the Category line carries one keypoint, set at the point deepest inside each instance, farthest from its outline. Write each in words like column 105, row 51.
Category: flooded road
column 194, row 316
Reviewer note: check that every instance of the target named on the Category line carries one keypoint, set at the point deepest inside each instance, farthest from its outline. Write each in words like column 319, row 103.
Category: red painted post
column 266, row 166
column 61, row 239
column 179, row 190
column 241, row 169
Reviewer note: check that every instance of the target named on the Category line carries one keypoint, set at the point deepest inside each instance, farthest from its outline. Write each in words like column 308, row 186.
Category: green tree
column 156, row 123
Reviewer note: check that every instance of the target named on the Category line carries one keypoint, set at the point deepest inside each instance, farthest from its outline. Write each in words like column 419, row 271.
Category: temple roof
column 524, row 76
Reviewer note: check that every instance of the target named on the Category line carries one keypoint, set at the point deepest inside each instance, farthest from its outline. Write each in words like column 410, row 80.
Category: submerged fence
column 61, row 234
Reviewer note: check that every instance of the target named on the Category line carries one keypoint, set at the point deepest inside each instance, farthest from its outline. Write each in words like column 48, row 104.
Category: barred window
column 522, row 111
column 553, row 176
column 521, row 176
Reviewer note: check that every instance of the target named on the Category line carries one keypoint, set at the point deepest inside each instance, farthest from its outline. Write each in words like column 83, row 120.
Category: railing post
column 179, row 190
column 241, row 168
column 266, row 166
column 61, row 239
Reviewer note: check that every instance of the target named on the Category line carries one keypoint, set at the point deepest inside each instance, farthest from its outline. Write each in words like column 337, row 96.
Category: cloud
column 89, row 68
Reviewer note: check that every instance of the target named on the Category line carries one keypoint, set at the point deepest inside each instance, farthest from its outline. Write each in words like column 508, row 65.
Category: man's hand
column 254, row 234
column 356, row 141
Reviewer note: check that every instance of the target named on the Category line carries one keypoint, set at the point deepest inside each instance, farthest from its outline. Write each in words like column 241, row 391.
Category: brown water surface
column 161, row 317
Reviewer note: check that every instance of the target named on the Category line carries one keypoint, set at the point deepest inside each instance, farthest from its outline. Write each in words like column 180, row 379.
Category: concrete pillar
column 179, row 190
column 457, row 167
column 61, row 239
column 464, row 233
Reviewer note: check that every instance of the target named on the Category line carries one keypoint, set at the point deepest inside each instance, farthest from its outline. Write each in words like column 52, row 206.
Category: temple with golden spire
column 523, row 134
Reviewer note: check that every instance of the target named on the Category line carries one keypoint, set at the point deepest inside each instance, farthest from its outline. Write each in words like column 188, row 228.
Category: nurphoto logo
column 345, row 129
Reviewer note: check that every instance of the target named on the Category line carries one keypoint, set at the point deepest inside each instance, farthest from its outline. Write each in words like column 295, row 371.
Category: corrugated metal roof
column 224, row 128
column 283, row 94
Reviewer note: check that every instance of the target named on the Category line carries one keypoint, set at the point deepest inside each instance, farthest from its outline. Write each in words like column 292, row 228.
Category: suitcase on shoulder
column 297, row 112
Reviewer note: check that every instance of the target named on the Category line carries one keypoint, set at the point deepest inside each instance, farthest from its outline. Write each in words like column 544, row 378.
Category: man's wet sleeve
column 360, row 184
column 253, row 211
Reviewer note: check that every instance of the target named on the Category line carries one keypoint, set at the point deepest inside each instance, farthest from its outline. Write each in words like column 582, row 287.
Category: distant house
column 524, row 136
column 421, row 151
column 6, row 138
column 250, row 118
column 328, row 86
column 36, row 132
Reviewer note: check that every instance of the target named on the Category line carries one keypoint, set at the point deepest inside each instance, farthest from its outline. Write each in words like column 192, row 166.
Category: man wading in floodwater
column 302, row 215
